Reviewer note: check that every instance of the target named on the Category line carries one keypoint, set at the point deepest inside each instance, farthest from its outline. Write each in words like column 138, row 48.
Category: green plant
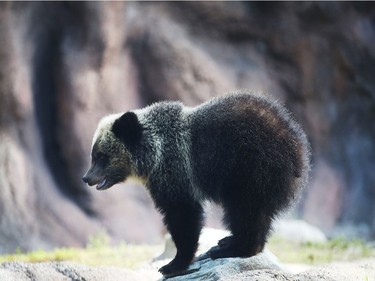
column 338, row 249
column 99, row 240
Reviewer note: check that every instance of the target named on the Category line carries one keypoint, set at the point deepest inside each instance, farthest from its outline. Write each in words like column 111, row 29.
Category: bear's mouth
column 103, row 184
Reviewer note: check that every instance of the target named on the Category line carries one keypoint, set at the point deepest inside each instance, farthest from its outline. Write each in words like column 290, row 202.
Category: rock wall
column 65, row 65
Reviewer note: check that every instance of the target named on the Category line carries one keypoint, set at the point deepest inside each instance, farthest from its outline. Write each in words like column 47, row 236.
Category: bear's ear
column 127, row 128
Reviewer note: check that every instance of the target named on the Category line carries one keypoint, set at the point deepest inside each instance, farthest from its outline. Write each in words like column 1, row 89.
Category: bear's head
column 111, row 160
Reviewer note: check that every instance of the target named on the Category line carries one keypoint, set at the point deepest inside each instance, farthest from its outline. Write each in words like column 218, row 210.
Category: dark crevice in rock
column 143, row 57
column 47, row 70
column 70, row 273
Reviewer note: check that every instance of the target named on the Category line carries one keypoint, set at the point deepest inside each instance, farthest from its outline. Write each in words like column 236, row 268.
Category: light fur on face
column 104, row 126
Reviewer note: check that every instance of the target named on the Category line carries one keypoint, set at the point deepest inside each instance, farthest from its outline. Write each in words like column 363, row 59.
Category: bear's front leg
column 184, row 220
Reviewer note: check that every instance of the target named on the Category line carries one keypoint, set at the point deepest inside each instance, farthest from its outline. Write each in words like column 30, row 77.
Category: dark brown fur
column 242, row 151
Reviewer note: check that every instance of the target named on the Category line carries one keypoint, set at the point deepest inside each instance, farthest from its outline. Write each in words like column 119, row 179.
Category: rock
column 206, row 269
column 208, row 238
column 298, row 231
column 352, row 231
column 64, row 271
column 46, row 124
column 169, row 249
column 222, row 269
column 225, row 269
column 341, row 271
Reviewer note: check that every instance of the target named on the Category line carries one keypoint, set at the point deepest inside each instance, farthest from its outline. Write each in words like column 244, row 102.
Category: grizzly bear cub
column 243, row 151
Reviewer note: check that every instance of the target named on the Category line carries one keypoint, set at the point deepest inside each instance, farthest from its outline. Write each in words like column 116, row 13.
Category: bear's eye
column 98, row 157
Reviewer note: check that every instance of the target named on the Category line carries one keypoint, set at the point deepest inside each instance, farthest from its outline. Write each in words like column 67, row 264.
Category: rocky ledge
column 259, row 268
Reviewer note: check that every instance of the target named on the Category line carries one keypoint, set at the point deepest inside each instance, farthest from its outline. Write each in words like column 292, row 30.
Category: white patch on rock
column 298, row 231
column 208, row 238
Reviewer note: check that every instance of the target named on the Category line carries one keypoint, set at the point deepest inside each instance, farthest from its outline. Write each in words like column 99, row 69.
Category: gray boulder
column 255, row 268
column 65, row 271
column 223, row 269
column 207, row 239
column 206, row 269
column 298, row 231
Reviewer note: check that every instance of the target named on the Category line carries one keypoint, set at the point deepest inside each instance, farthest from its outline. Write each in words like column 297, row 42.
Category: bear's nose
column 85, row 179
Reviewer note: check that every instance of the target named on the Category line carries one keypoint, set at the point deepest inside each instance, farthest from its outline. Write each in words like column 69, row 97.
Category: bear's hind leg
column 249, row 233
column 184, row 222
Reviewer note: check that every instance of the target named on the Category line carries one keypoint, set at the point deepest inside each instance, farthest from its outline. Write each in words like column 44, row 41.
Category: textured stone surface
column 16, row 271
column 298, row 231
column 65, row 64
column 231, row 269
column 222, row 269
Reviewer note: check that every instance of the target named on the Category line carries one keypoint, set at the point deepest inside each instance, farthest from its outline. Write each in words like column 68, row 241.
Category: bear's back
column 241, row 138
